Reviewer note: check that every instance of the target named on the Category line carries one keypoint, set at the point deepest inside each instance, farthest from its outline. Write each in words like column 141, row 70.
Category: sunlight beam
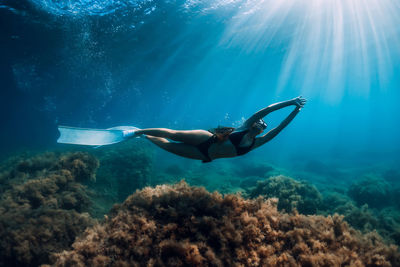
column 346, row 46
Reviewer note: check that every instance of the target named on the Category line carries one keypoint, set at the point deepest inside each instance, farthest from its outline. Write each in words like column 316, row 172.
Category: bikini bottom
column 203, row 147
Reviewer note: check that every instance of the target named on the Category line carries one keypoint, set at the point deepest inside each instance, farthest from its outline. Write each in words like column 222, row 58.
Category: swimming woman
column 222, row 142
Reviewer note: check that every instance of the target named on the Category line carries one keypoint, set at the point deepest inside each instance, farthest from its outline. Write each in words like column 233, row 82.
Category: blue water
column 195, row 65
column 198, row 64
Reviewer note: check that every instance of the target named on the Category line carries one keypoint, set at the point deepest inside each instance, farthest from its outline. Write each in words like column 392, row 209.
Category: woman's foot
column 132, row 133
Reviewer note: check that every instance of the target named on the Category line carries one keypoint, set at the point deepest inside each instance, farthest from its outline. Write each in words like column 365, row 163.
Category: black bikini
column 235, row 138
column 203, row 147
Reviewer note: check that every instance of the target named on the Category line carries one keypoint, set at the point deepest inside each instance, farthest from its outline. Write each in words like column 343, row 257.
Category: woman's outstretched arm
column 265, row 111
column 299, row 102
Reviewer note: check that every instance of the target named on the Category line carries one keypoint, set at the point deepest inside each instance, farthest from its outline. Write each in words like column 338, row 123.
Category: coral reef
column 43, row 207
column 373, row 191
column 187, row 226
column 291, row 194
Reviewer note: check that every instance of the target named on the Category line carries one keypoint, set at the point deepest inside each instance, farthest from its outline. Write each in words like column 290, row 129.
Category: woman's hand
column 299, row 102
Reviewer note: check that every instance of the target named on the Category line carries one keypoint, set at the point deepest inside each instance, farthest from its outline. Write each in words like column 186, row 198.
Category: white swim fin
column 95, row 137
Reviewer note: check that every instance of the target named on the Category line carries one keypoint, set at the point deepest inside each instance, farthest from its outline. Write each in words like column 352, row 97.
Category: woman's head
column 258, row 127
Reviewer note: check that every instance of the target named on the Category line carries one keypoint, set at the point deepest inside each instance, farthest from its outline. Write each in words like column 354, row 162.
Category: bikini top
column 236, row 138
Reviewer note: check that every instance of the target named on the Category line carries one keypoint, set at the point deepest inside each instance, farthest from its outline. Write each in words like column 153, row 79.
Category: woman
column 222, row 142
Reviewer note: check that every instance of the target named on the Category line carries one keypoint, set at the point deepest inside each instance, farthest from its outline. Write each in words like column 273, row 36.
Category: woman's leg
column 180, row 149
column 190, row 137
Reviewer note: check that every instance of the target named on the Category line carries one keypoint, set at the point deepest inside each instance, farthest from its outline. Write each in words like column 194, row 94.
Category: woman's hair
column 222, row 132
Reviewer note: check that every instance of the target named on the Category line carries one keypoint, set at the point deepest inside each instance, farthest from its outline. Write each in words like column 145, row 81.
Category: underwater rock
column 392, row 176
column 251, row 181
column 372, row 191
column 332, row 200
column 396, row 196
column 385, row 221
column 292, row 194
column 15, row 169
column 248, row 169
column 321, row 168
column 175, row 170
column 180, row 225
column 43, row 208
column 389, row 224
column 123, row 169
column 361, row 218
column 216, row 177
column 82, row 166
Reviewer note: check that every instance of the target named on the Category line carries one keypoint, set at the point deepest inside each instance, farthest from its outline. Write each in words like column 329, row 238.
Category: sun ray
column 346, row 45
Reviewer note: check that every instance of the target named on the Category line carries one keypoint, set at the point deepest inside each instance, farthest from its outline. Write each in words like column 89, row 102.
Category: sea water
column 199, row 64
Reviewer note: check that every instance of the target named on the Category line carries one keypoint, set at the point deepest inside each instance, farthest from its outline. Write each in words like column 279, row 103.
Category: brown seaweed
column 43, row 207
column 181, row 225
column 292, row 194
